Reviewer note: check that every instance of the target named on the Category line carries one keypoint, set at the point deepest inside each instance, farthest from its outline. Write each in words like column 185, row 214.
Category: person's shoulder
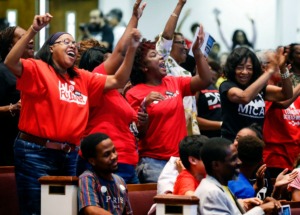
column 136, row 90
column 226, row 85
column 185, row 173
column 86, row 174
column 119, row 180
column 208, row 189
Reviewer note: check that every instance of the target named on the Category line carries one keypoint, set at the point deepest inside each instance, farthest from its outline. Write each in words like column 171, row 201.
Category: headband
column 55, row 37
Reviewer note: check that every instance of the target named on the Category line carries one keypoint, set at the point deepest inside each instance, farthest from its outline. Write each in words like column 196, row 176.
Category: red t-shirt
column 113, row 117
column 185, row 181
column 282, row 135
column 167, row 126
column 55, row 108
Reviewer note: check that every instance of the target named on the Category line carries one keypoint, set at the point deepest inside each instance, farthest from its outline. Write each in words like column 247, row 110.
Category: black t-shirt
column 237, row 116
column 209, row 107
column 8, row 123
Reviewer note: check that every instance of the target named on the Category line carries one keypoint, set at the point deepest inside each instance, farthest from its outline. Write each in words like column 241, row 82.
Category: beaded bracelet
column 285, row 75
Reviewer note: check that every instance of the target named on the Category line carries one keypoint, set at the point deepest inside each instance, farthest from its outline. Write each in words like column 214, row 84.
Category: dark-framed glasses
column 182, row 42
column 68, row 42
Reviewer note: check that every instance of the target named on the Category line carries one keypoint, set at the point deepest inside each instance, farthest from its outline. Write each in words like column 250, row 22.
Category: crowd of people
column 132, row 110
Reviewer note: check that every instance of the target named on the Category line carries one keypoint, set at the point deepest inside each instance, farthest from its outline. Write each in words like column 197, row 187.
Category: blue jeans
column 126, row 171
column 149, row 169
column 33, row 161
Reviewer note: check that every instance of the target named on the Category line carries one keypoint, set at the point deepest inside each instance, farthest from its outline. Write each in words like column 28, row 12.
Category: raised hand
column 135, row 37
column 199, row 40
column 138, row 8
column 272, row 65
column 260, row 175
column 282, row 56
column 41, row 21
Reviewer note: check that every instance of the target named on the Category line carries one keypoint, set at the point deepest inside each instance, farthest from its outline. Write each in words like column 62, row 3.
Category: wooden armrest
column 141, row 187
column 291, row 203
column 176, row 199
column 60, row 180
column 7, row 169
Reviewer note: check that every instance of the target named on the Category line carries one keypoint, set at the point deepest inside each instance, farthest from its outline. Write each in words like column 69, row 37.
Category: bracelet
column 174, row 14
column 11, row 110
column 285, row 75
column 35, row 31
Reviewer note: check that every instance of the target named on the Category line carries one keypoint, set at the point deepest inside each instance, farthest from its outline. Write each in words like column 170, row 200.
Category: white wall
column 277, row 21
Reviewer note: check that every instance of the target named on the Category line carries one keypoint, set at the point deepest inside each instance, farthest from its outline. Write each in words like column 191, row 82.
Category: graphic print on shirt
column 116, row 201
column 68, row 93
column 169, row 95
column 213, row 98
column 292, row 114
column 254, row 109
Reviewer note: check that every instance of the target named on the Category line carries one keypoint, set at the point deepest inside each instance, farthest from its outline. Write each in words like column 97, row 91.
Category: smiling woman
column 56, row 97
column 244, row 93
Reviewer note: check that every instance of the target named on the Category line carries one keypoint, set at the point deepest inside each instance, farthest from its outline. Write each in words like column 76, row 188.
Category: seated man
column 189, row 178
column 99, row 190
column 221, row 162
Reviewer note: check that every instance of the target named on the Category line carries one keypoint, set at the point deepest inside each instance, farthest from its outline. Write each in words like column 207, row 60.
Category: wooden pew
column 141, row 197
column 62, row 191
column 8, row 191
column 176, row 204
column 59, row 195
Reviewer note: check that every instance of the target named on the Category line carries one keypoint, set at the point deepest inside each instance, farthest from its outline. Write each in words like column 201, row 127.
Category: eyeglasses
column 68, row 42
column 242, row 68
column 182, row 42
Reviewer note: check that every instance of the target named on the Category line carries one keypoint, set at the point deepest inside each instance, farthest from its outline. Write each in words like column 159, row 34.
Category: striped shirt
column 109, row 195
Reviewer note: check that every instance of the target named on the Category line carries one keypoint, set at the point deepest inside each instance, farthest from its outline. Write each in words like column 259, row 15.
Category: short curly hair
column 88, row 144
column 235, row 58
column 250, row 150
column 137, row 75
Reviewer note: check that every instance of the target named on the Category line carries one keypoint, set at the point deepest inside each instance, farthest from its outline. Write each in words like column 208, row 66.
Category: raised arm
column 12, row 60
column 172, row 21
column 254, row 32
column 274, row 93
column 114, row 61
column 204, row 77
column 222, row 34
column 237, row 95
column 185, row 16
column 122, row 75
